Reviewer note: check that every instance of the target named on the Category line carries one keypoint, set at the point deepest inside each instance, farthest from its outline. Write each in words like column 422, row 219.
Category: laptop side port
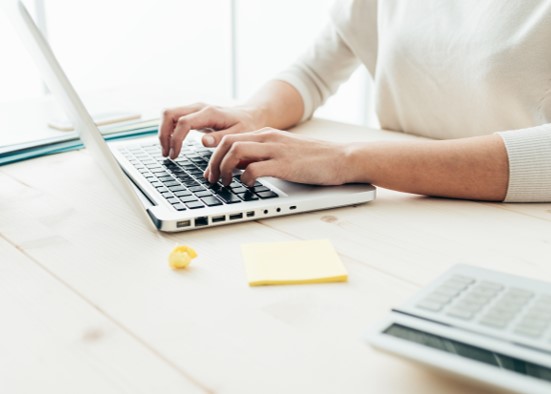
column 201, row 221
column 183, row 223
column 218, row 219
column 293, row 207
column 250, row 214
column 236, row 216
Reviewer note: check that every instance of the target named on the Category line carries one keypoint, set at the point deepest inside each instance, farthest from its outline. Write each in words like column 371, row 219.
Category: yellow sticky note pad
column 282, row 263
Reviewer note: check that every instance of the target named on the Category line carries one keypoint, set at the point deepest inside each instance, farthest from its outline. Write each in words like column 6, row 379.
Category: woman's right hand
column 215, row 121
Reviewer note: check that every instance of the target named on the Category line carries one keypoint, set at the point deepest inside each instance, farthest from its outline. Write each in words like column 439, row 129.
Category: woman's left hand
column 271, row 152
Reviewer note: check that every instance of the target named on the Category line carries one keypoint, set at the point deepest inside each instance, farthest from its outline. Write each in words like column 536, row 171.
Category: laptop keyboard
column 181, row 181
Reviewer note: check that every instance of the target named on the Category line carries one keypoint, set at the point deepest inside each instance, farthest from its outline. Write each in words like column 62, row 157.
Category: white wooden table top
column 90, row 305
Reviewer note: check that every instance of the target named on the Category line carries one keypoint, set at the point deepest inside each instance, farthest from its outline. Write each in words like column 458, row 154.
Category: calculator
column 484, row 325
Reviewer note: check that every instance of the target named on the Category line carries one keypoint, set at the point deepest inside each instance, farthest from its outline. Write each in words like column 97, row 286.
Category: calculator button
column 543, row 304
column 484, row 291
column 538, row 315
column 533, row 323
column 468, row 306
column 430, row 305
column 447, row 291
column 476, row 298
column 494, row 322
column 519, row 294
column 528, row 331
column 500, row 314
column 460, row 313
column 460, row 280
column 491, row 285
column 438, row 298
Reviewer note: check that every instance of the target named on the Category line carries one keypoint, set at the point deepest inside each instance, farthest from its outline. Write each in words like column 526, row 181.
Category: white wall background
column 182, row 45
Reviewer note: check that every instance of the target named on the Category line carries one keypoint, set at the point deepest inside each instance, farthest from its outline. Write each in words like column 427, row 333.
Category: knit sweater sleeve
column 319, row 71
column 529, row 155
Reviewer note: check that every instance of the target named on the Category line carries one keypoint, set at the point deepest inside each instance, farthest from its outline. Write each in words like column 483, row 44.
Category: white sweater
column 446, row 69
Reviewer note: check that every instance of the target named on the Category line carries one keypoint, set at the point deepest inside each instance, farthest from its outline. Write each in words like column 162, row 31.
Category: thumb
column 212, row 137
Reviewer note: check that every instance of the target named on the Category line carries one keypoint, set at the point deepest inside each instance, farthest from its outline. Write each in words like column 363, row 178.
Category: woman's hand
column 270, row 152
column 177, row 123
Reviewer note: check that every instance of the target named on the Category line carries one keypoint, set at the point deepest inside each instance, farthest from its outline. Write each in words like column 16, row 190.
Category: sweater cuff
column 529, row 153
column 293, row 77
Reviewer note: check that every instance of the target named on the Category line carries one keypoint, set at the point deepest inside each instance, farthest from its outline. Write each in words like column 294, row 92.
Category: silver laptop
column 172, row 194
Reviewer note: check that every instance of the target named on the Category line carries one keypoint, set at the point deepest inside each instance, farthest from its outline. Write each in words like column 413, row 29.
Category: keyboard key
column 178, row 188
column 239, row 190
column 204, row 193
column 268, row 194
column 165, row 178
column 179, row 207
column 215, row 186
column 194, row 205
column 191, row 183
column 260, row 189
column 171, row 183
column 189, row 198
column 195, row 189
column 227, row 196
column 173, row 200
column 248, row 196
column 211, row 201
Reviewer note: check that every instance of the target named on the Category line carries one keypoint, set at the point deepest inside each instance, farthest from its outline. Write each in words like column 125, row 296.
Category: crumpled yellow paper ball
column 181, row 256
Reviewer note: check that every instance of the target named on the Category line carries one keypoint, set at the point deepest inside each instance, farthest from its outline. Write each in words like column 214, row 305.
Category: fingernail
column 208, row 140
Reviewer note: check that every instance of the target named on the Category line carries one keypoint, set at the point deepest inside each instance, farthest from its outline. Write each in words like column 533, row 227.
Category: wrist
column 258, row 115
column 355, row 163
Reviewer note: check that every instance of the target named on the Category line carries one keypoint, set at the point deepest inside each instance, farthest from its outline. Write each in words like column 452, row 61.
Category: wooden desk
column 89, row 304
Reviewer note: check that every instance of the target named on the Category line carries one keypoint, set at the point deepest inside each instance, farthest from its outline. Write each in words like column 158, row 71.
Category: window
column 144, row 55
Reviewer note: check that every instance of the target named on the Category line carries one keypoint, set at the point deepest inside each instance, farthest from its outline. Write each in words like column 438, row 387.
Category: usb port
column 201, row 221
column 250, row 214
column 218, row 219
column 236, row 216
column 184, row 223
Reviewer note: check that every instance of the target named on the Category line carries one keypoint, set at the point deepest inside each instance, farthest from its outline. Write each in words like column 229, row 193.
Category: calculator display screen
column 471, row 352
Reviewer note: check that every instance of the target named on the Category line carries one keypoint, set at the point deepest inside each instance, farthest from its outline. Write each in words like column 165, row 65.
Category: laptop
column 172, row 195
column 479, row 324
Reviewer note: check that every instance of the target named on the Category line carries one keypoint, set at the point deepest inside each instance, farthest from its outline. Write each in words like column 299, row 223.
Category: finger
column 224, row 147
column 206, row 117
column 240, row 152
column 168, row 122
column 212, row 138
column 259, row 169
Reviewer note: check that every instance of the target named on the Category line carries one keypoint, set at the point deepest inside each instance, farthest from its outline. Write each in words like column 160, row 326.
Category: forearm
column 277, row 104
column 471, row 168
